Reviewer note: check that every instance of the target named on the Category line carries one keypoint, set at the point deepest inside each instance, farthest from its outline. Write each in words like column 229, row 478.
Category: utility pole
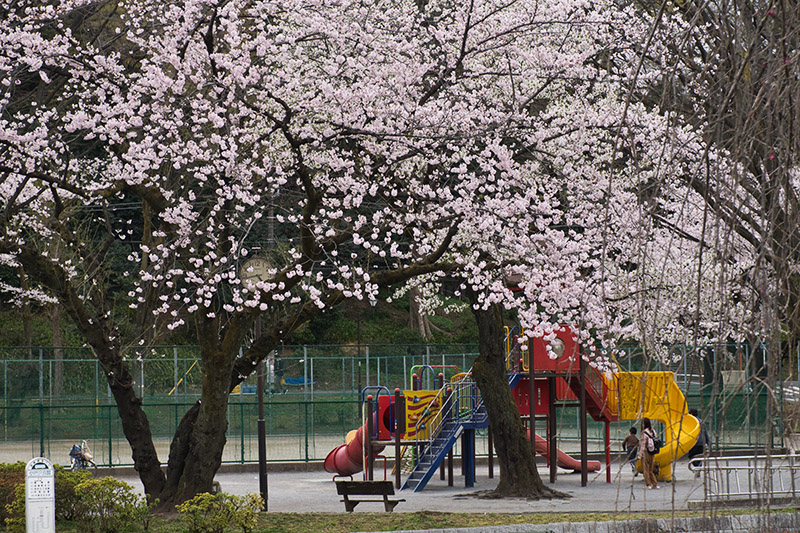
column 262, row 427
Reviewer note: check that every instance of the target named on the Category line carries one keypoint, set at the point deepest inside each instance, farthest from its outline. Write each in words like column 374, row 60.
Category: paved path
column 314, row 491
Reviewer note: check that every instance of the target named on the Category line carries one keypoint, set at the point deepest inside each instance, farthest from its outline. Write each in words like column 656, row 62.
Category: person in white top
column 646, row 447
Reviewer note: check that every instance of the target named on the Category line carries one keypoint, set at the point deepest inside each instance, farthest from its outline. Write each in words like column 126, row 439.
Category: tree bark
column 136, row 427
column 518, row 474
column 207, row 439
column 417, row 320
column 198, row 443
column 91, row 321
column 27, row 328
column 58, row 351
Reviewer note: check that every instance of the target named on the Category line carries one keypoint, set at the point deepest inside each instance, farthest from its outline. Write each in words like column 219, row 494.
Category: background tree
column 733, row 78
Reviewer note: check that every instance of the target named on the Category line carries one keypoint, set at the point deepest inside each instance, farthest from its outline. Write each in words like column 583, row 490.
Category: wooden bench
column 366, row 488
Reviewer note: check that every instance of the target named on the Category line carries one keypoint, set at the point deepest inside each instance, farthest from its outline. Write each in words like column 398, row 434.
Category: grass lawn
column 353, row 522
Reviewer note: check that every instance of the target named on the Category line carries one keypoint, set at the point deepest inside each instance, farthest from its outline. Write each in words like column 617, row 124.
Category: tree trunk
column 197, row 446
column 417, row 319
column 178, row 451
column 518, row 474
column 207, row 439
column 27, row 328
column 135, row 424
column 58, row 351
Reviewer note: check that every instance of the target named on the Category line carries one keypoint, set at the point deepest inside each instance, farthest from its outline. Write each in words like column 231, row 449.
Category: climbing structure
column 424, row 425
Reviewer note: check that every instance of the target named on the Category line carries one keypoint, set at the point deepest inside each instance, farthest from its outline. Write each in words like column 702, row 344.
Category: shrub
column 15, row 511
column 106, row 505
column 11, row 476
column 246, row 509
column 143, row 513
column 211, row 513
column 206, row 513
column 66, row 499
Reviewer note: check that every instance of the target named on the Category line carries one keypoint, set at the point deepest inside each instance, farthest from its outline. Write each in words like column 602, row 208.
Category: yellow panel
column 422, row 410
column 612, row 385
column 655, row 395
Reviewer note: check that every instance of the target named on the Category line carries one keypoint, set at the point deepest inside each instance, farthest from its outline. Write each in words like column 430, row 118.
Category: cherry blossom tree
column 381, row 135
column 158, row 146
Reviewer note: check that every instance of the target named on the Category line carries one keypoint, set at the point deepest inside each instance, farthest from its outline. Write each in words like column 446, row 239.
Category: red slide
column 348, row 458
column 562, row 459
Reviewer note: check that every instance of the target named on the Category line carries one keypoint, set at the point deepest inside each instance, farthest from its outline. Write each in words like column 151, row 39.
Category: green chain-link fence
column 54, row 398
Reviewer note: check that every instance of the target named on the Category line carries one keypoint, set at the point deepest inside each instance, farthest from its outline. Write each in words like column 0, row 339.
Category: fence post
column 305, row 373
column 428, row 356
column 41, row 376
column 305, row 409
column 367, row 383
column 313, row 430
column 685, row 377
column 5, row 400
column 175, row 369
column 110, row 443
column 41, row 429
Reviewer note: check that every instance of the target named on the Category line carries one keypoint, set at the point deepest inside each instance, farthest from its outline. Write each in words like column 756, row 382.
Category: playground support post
column 450, row 467
column 464, row 453
column 440, row 386
column 369, row 471
column 531, row 403
column 552, row 430
column 608, row 451
column 398, row 431
column 584, row 450
column 445, row 409
column 490, row 444
column 469, row 456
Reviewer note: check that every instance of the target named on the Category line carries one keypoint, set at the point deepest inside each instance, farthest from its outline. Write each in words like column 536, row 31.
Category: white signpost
column 40, row 496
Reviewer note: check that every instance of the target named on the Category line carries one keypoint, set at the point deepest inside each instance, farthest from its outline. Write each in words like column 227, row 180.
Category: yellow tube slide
column 655, row 395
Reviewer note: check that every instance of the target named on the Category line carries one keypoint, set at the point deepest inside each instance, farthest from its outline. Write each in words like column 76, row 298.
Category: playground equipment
column 564, row 460
column 655, row 395
column 424, row 425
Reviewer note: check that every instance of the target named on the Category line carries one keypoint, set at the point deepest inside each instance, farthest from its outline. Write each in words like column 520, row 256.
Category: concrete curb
column 773, row 523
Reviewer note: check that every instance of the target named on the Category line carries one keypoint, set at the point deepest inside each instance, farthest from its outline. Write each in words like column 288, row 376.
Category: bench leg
column 349, row 505
column 389, row 505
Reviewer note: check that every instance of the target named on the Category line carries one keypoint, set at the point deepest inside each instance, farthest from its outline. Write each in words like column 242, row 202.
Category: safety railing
column 459, row 400
column 754, row 477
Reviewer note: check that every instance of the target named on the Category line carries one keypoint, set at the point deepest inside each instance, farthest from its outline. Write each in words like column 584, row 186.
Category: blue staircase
column 432, row 456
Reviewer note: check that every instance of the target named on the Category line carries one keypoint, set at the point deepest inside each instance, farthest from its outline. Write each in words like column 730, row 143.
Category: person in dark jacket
column 702, row 445
column 631, row 446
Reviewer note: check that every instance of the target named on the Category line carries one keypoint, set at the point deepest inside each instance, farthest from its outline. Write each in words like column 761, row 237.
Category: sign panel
column 40, row 496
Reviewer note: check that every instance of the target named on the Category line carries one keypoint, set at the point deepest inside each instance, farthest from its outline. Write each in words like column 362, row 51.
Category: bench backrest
column 364, row 487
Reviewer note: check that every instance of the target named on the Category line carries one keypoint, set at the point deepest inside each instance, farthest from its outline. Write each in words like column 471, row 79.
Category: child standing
column 631, row 445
